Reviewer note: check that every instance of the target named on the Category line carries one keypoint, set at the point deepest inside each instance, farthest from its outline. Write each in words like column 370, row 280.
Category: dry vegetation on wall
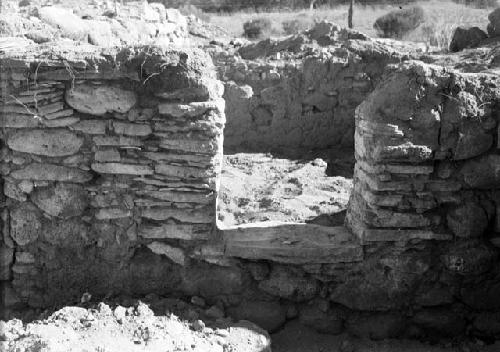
column 441, row 19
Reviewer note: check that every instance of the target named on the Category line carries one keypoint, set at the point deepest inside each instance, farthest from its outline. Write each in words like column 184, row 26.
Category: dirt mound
column 136, row 328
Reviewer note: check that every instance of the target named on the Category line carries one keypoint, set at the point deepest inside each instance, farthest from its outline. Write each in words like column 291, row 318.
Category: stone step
column 293, row 243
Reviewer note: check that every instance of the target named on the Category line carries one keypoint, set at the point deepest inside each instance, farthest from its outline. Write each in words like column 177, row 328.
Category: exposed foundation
column 111, row 165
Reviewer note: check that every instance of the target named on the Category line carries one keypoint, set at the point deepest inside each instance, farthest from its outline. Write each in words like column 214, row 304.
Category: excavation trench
column 115, row 183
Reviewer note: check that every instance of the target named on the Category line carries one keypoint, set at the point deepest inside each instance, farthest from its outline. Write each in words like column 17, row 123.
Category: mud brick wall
column 110, row 163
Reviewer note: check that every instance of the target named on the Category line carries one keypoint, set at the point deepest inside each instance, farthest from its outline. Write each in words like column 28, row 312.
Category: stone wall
column 427, row 156
column 110, row 162
column 426, row 201
column 300, row 93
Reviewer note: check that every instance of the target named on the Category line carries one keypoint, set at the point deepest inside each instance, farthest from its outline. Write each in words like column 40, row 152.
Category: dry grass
column 442, row 18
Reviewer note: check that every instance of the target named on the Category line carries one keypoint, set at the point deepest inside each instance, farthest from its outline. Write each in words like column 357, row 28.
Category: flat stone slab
column 294, row 243
column 46, row 142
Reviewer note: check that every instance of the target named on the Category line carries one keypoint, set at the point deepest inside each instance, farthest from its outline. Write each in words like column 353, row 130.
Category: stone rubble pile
column 136, row 23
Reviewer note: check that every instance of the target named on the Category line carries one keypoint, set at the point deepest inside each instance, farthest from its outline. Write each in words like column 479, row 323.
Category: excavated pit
column 115, row 182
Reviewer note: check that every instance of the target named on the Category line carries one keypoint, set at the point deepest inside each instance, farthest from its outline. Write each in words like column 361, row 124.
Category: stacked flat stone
column 427, row 157
column 104, row 152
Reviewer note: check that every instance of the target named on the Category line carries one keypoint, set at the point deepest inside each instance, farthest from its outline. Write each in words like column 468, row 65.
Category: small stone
column 132, row 129
column 26, row 186
column 104, row 309
column 90, row 126
column 120, row 313
column 25, row 258
column 112, row 213
column 143, row 310
column 64, row 122
column 198, row 325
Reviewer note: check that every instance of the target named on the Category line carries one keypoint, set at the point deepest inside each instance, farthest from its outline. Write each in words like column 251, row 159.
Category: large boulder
column 466, row 38
column 494, row 25
column 398, row 23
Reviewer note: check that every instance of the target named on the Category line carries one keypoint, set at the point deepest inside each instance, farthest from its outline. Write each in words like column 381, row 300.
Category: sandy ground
column 260, row 187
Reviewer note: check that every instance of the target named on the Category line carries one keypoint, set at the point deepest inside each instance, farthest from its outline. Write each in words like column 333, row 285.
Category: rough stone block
column 292, row 243
column 45, row 142
column 467, row 220
column 200, row 216
column 107, row 155
column 64, row 200
column 6, row 260
column 99, row 100
column 180, row 197
column 284, row 283
column 391, row 235
column 117, row 141
column 91, row 126
column 63, row 122
column 51, row 172
column 119, row 168
column 482, row 173
column 25, row 224
column 112, row 213
column 175, row 231
column 132, row 129
column 192, row 145
column 472, row 142
column 13, row 120
column 183, row 171
column 173, row 253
